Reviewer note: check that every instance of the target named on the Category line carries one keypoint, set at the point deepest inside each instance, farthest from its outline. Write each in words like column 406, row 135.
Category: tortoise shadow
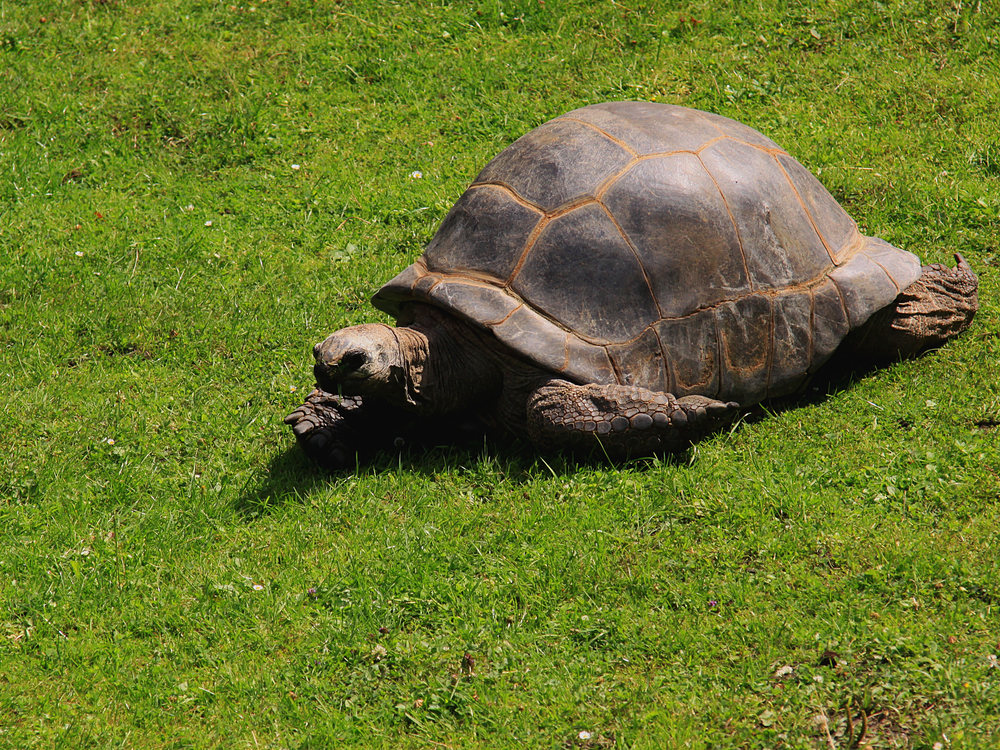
column 291, row 477
column 836, row 376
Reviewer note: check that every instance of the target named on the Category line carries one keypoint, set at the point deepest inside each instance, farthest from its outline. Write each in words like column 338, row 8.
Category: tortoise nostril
column 320, row 373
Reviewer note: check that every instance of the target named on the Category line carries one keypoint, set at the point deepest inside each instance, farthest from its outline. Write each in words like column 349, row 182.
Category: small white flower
column 416, row 174
column 258, row 587
column 188, row 207
column 584, row 735
column 296, row 166
column 292, row 388
column 208, row 223
column 78, row 253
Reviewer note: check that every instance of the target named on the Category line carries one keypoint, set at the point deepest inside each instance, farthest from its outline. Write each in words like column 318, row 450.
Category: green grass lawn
column 193, row 193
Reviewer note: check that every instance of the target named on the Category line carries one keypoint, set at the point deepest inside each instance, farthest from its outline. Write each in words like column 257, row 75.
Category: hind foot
column 934, row 308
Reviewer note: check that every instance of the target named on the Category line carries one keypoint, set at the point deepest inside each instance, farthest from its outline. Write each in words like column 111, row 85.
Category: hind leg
column 934, row 308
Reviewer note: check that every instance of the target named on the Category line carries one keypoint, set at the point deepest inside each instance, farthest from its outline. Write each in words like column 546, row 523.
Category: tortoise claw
column 320, row 425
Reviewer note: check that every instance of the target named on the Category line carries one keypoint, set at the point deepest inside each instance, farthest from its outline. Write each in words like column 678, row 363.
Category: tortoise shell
column 654, row 245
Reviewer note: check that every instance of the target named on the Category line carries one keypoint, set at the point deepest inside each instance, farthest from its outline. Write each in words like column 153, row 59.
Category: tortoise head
column 365, row 360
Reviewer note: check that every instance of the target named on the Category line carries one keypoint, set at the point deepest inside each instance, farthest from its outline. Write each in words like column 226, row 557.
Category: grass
column 194, row 193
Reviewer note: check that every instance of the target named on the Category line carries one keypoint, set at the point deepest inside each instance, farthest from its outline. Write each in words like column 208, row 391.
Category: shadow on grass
column 836, row 376
column 840, row 374
column 291, row 477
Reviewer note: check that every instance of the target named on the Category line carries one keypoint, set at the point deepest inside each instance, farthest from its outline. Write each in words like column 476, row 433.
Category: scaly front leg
column 624, row 419
column 327, row 428
column 336, row 431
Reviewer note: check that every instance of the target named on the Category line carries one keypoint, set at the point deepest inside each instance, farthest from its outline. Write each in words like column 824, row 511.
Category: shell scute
column 424, row 284
column 691, row 346
column 485, row 232
column 484, row 301
column 832, row 221
column 676, row 219
column 863, row 284
column 525, row 330
column 744, row 326
column 744, row 133
column 556, row 163
column 589, row 363
column 779, row 241
column 792, row 342
column 582, row 273
column 829, row 322
column 641, row 362
column 649, row 128
column 902, row 268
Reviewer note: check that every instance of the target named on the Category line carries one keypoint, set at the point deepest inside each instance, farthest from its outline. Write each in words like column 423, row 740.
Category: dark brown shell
column 659, row 246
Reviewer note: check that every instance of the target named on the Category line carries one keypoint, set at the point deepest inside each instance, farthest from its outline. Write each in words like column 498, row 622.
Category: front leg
column 624, row 419
column 335, row 431
column 326, row 427
column 338, row 431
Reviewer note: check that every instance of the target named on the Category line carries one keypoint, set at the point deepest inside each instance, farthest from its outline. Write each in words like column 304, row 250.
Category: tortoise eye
column 352, row 361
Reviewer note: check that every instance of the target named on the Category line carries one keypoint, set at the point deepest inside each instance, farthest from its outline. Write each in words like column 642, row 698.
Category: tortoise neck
column 447, row 368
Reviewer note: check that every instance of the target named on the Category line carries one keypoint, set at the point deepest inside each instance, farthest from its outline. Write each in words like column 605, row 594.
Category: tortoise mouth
column 337, row 379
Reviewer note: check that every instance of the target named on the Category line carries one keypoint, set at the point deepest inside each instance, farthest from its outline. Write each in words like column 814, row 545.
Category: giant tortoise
column 628, row 275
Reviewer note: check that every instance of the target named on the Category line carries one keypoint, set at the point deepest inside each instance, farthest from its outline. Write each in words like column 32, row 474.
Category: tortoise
column 629, row 275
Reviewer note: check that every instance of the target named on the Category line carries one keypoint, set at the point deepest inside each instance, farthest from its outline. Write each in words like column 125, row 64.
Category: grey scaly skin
column 393, row 382
column 390, row 381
